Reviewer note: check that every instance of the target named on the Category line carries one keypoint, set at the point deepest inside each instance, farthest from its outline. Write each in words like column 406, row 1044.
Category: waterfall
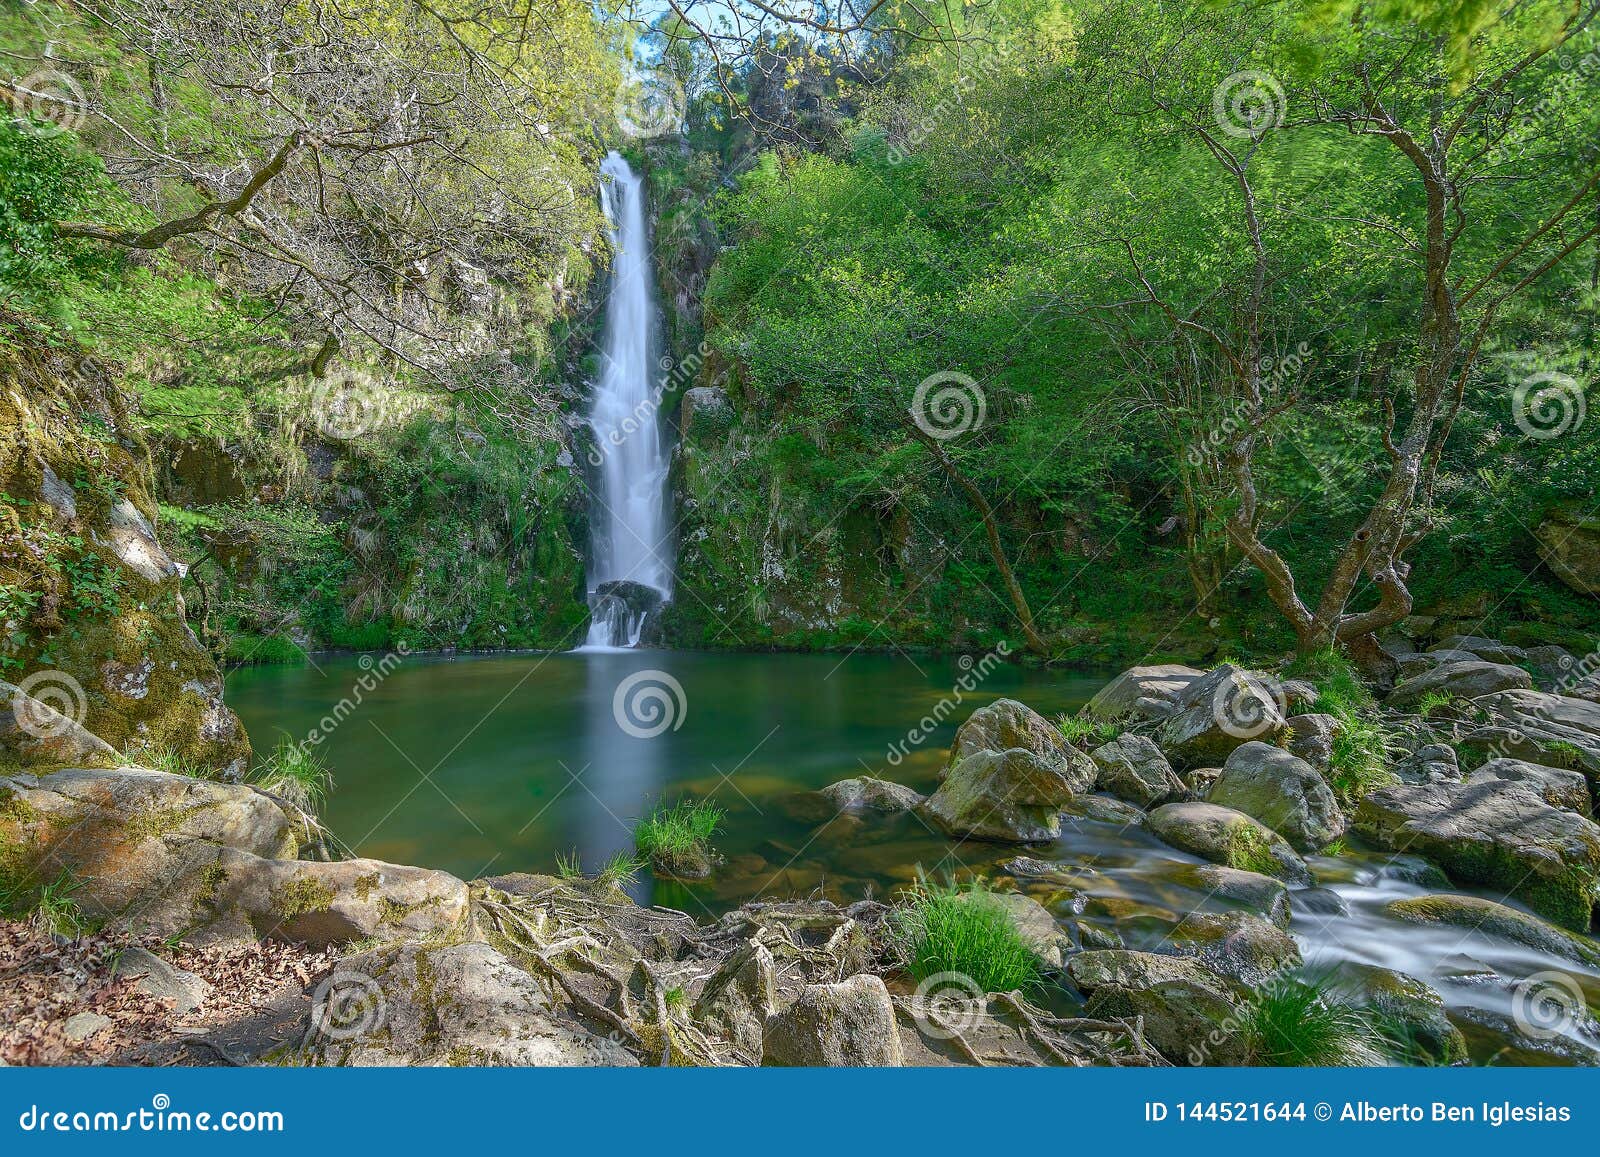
column 630, row 570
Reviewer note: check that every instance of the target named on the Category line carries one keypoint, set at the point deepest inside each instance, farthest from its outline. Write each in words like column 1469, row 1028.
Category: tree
column 386, row 173
column 1462, row 125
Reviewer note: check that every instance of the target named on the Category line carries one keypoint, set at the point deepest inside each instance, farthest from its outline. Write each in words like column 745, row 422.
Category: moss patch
column 301, row 896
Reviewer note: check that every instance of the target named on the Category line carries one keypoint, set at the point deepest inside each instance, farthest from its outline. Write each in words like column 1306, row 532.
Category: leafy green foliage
column 1362, row 749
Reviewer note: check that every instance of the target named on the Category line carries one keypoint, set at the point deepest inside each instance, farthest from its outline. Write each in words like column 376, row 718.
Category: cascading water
column 630, row 570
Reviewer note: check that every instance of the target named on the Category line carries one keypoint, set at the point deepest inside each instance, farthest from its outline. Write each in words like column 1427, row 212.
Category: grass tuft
column 680, row 833
column 1302, row 1022
column 1081, row 730
column 296, row 774
column 966, row 931
column 1363, row 749
column 172, row 762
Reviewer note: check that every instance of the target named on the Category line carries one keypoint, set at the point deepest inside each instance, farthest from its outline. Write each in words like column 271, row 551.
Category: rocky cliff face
column 90, row 601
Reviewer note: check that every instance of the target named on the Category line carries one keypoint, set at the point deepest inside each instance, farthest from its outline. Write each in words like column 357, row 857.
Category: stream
column 492, row 764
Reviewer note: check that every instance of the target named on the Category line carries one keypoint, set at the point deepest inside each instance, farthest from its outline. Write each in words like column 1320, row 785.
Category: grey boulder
column 1283, row 791
column 1131, row 767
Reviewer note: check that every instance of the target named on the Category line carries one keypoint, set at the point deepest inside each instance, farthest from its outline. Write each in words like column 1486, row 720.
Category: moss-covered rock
column 141, row 847
column 455, row 1004
column 1501, row 834
column 322, row 904
column 1476, row 914
column 1229, row 838
column 92, row 599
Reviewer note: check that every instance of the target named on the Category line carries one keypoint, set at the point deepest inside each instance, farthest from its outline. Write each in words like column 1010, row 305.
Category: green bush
column 965, row 931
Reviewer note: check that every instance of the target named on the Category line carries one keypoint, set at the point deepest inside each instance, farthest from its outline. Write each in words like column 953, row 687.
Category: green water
column 485, row 765
column 488, row 765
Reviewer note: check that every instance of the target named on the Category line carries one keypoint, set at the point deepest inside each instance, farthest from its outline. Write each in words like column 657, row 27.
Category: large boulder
column 1527, row 724
column 1150, row 692
column 1461, row 679
column 1190, row 1012
column 1230, row 838
column 1554, row 668
column 325, row 904
column 740, row 997
column 1497, row 833
column 1241, row 890
column 1559, row 786
column 1476, row 914
column 1569, row 543
column 1239, row 945
column 1311, row 738
column 1418, row 662
column 141, row 846
column 1009, row 775
column 1132, row 767
column 1429, row 763
column 1009, row 796
column 1489, row 650
column 461, row 1004
column 846, row 1024
column 1006, row 725
column 1408, row 1004
column 1221, row 710
column 1281, row 790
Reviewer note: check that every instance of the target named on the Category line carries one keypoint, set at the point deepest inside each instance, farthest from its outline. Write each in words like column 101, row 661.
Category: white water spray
column 630, row 538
